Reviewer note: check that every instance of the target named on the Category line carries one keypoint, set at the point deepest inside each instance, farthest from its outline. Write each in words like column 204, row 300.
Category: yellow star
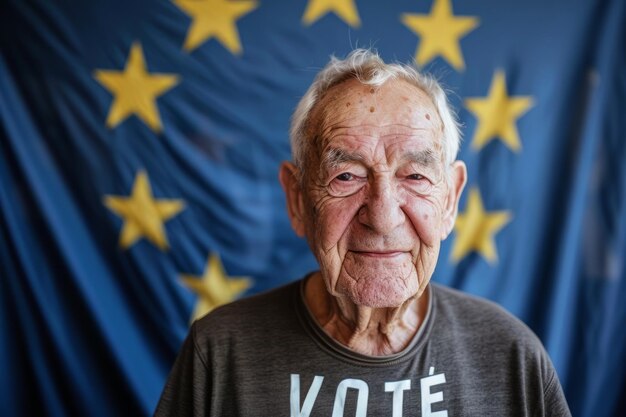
column 475, row 229
column 142, row 214
column 213, row 287
column 345, row 9
column 135, row 90
column 215, row 19
column 497, row 114
column 440, row 33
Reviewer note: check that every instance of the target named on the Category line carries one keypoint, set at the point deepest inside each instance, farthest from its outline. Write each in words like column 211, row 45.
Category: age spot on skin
column 348, row 104
column 372, row 109
column 372, row 90
column 427, row 116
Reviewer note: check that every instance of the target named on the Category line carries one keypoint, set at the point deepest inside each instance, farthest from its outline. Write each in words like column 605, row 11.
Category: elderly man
column 374, row 188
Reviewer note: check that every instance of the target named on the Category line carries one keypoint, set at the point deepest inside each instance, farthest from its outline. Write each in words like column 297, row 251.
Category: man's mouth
column 380, row 254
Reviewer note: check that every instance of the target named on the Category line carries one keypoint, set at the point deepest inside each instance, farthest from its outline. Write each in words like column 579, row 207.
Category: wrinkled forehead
column 397, row 105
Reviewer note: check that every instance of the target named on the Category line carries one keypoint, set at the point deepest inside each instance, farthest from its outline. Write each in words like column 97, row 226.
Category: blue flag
column 139, row 151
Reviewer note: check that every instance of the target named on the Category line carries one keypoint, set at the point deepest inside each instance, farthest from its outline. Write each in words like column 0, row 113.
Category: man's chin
column 379, row 293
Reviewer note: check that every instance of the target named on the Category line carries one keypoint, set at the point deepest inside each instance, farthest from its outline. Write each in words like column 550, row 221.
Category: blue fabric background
column 90, row 328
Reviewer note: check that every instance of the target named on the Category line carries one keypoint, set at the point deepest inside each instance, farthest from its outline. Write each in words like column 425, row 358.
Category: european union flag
column 139, row 150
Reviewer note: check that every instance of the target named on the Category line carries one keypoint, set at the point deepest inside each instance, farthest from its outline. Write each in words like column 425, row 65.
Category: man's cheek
column 329, row 233
column 334, row 219
column 426, row 219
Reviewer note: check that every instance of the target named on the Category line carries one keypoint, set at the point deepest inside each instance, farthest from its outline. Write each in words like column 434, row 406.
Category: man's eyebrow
column 334, row 157
column 426, row 157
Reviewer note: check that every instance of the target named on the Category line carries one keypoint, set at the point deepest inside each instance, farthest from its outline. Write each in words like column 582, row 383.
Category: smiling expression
column 376, row 199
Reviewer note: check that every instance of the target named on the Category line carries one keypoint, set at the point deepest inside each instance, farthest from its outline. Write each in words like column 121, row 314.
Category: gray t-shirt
column 266, row 356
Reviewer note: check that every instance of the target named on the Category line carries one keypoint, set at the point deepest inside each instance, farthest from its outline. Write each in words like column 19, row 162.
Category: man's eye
column 346, row 184
column 419, row 184
column 346, row 176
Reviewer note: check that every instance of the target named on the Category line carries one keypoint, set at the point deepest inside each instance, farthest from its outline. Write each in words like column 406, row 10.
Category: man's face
column 376, row 199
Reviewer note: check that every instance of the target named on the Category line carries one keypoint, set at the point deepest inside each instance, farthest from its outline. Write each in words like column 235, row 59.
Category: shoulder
column 489, row 342
column 248, row 315
column 481, row 320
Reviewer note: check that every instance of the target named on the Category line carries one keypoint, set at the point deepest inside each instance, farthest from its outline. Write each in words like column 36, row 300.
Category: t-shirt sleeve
column 554, row 399
column 187, row 390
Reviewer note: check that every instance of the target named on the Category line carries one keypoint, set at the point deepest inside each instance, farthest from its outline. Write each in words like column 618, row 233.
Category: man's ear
column 289, row 179
column 458, row 178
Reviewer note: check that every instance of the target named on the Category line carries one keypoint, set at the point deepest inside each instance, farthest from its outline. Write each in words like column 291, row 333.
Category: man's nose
column 382, row 211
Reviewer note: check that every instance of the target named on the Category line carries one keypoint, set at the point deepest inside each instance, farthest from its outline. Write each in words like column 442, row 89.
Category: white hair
column 367, row 67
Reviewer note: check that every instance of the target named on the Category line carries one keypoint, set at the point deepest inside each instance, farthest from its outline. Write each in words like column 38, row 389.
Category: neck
column 367, row 330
